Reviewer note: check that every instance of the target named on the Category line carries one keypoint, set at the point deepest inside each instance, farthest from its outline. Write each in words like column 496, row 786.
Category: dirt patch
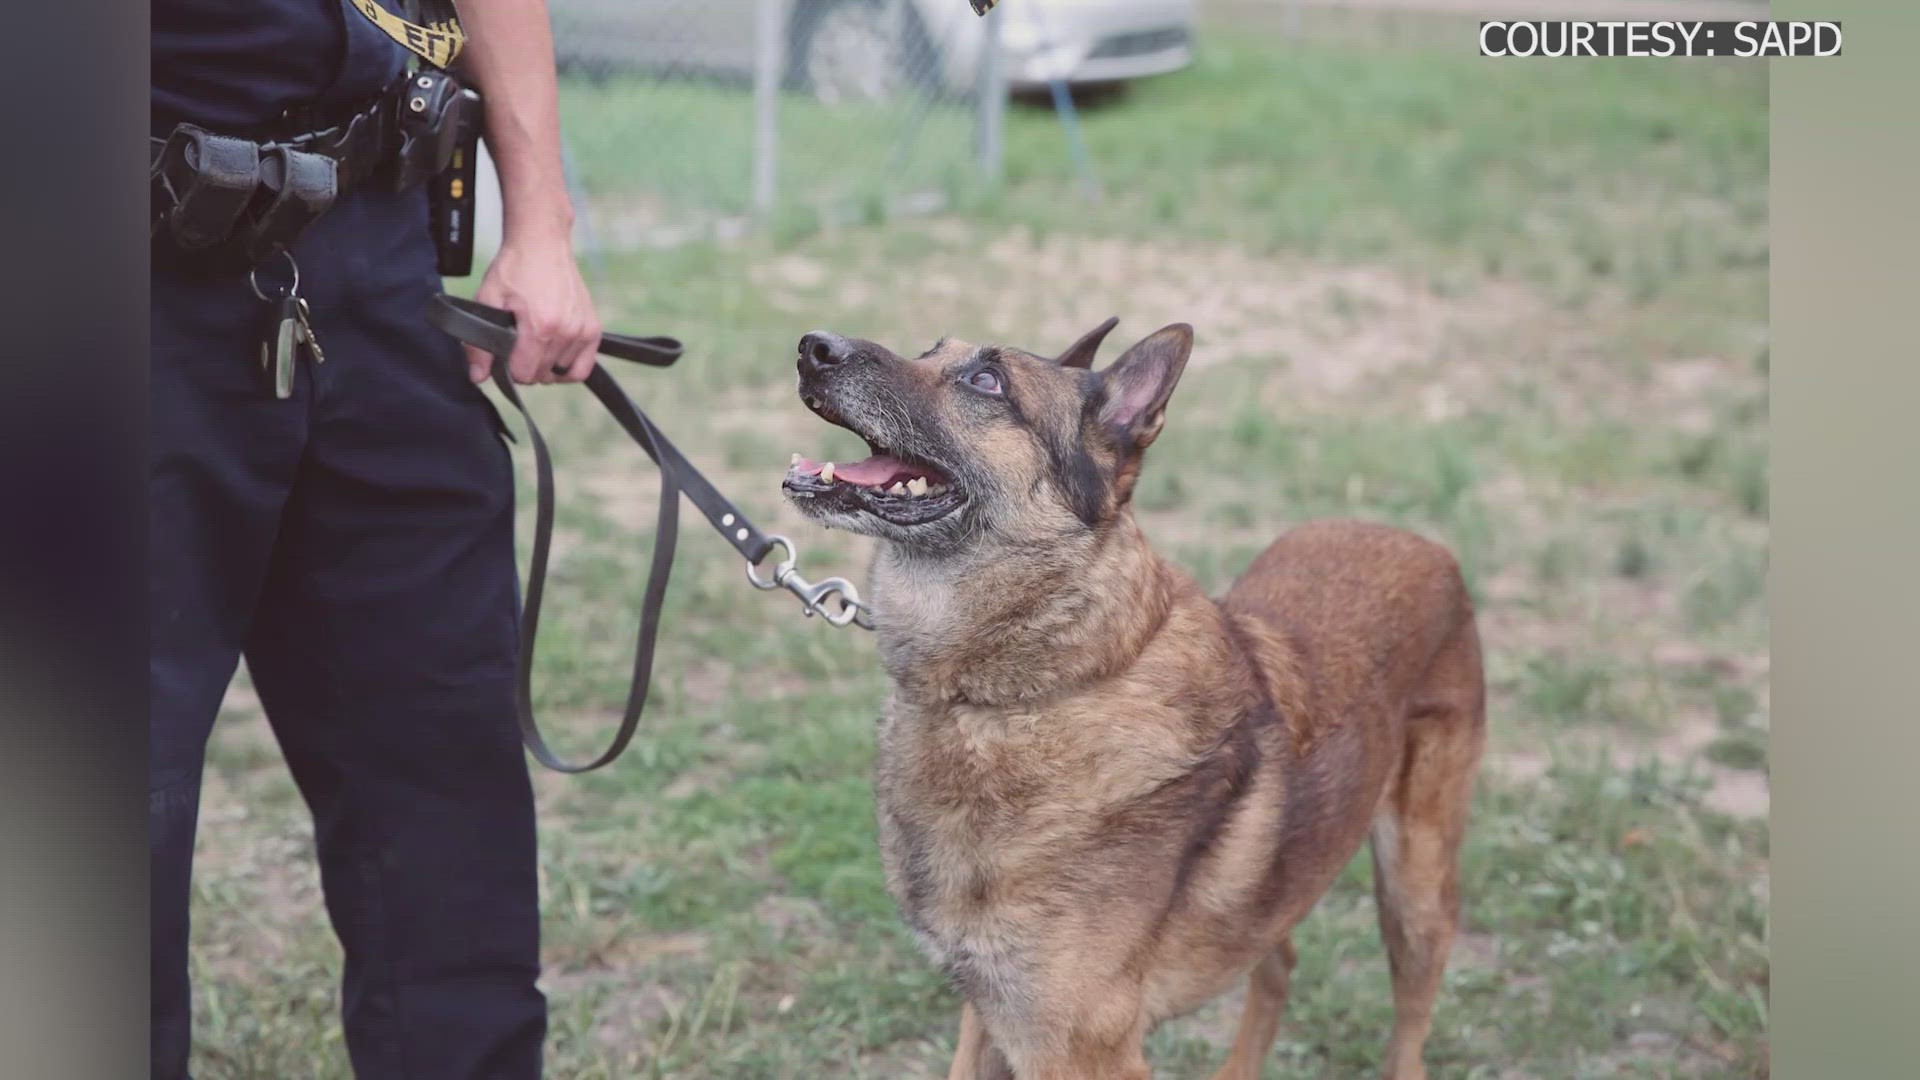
column 1326, row 338
column 1475, row 949
column 1740, row 794
column 1686, row 390
column 739, row 760
column 634, row 950
column 786, row 914
column 1329, row 330
column 254, row 877
column 1333, row 338
column 574, row 950
column 1735, row 792
column 627, row 1015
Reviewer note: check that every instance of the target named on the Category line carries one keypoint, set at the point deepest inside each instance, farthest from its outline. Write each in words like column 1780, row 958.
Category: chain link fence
column 701, row 119
column 698, row 119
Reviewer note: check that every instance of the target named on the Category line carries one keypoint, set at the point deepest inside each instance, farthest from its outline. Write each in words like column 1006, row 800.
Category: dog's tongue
column 879, row 470
column 876, row 471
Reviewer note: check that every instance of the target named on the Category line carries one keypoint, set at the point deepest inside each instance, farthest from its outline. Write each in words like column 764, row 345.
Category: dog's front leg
column 1102, row 1063
column 1094, row 1052
column 966, row 1050
column 974, row 1056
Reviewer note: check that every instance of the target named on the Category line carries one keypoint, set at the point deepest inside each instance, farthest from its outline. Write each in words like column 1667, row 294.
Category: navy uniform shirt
column 238, row 66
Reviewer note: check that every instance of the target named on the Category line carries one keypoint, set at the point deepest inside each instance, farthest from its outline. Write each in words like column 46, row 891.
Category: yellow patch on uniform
column 437, row 43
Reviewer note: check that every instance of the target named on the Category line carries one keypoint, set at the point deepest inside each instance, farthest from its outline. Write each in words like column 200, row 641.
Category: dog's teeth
column 936, row 489
column 917, row 486
column 898, row 488
column 826, row 472
column 795, row 463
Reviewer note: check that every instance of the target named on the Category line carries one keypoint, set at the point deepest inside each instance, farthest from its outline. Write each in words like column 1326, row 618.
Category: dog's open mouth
column 889, row 485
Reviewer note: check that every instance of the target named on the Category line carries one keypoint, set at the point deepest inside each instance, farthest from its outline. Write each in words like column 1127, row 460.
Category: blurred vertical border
column 73, row 957
column 1845, row 590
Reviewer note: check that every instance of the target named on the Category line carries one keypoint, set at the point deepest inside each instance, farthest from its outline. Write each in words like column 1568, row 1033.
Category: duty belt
column 234, row 200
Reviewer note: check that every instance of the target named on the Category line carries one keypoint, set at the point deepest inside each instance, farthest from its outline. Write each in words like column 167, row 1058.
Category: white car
column 873, row 49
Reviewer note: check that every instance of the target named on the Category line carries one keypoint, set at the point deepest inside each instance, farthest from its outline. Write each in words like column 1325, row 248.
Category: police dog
column 1103, row 796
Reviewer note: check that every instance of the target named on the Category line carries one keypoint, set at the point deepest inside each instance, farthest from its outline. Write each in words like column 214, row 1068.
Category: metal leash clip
column 813, row 597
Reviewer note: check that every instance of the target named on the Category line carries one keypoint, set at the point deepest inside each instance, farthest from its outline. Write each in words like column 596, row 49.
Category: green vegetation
column 1519, row 307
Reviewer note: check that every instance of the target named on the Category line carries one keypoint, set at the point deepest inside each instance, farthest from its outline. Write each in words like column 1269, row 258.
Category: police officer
column 353, row 539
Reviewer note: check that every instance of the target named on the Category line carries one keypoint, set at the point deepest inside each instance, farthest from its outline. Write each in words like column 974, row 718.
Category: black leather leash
column 491, row 330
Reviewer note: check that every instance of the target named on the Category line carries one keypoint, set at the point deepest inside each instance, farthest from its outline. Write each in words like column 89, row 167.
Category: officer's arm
column 509, row 58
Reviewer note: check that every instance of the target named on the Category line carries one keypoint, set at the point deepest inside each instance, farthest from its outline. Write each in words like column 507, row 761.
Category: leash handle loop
column 492, row 330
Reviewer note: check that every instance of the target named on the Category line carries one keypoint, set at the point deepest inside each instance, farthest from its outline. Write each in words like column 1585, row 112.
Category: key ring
column 253, row 278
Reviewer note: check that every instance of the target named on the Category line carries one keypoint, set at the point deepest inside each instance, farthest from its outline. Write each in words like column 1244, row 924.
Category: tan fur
column 1104, row 797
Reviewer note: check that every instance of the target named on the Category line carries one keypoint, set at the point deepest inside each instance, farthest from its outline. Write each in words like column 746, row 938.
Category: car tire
column 859, row 50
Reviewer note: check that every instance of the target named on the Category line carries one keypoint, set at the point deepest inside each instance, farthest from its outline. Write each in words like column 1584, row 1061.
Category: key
column 282, row 341
column 307, row 337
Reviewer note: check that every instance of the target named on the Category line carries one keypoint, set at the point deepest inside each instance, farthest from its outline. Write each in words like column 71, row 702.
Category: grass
column 1519, row 307
column 699, row 141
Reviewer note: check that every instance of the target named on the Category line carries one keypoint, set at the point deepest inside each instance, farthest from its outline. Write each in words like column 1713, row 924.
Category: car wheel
column 858, row 50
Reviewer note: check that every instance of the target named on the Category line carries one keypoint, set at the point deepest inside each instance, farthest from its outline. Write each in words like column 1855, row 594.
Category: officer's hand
column 559, row 333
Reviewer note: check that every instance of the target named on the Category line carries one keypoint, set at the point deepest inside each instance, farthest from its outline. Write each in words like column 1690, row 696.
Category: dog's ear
column 1138, row 384
column 1080, row 353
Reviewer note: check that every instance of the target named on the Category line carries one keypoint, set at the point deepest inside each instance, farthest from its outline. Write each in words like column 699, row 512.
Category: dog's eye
column 984, row 381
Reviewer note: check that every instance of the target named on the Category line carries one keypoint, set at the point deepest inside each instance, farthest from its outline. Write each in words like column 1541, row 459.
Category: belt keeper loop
column 211, row 178
column 299, row 187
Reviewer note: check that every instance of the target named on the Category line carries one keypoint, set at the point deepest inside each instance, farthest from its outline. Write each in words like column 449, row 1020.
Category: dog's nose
column 821, row 350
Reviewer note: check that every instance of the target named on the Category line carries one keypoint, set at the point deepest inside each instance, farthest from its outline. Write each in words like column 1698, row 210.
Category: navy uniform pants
column 355, row 545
